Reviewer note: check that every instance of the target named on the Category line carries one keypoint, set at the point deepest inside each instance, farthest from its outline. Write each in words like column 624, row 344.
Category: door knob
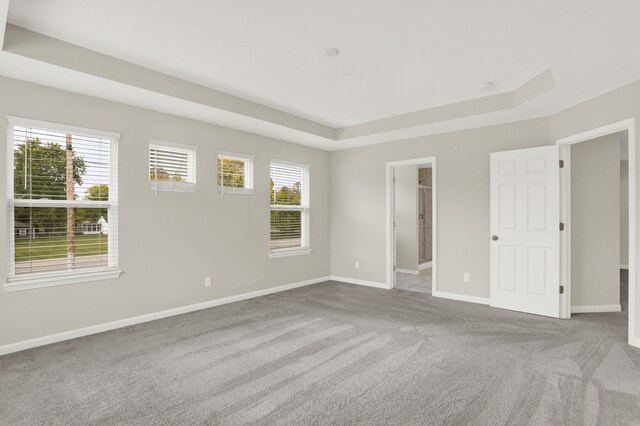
column 494, row 238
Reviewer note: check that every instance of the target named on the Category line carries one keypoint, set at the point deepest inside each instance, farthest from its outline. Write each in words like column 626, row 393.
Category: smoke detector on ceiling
column 486, row 86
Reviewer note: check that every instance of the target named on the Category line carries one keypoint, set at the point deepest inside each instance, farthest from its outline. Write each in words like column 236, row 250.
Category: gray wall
column 358, row 209
column 170, row 242
column 358, row 215
column 595, row 222
column 624, row 213
column 406, row 217
column 617, row 105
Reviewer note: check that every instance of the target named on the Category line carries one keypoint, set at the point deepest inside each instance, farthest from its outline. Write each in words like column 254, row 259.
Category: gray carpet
column 334, row 353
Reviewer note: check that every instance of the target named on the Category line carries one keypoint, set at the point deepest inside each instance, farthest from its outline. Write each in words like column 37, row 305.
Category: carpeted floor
column 334, row 353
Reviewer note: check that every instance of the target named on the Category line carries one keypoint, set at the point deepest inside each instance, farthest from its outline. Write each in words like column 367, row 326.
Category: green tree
column 98, row 193
column 40, row 173
column 231, row 173
column 163, row 175
column 286, row 225
column 40, row 170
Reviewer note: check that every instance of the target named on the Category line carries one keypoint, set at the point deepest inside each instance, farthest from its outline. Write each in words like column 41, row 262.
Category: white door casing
column 525, row 232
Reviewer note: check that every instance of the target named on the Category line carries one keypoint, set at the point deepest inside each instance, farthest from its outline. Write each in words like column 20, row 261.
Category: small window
column 235, row 173
column 62, row 182
column 289, row 216
column 172, row 167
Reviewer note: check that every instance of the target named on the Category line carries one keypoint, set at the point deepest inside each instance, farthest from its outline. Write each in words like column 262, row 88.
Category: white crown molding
column 40, row 59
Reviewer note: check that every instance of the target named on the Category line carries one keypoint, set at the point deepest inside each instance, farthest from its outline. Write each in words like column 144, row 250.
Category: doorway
column 411, row 225
column 626, row 128
column 425, row 225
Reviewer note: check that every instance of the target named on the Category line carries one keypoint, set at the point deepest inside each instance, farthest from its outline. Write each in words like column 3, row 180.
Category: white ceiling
column 396, row 56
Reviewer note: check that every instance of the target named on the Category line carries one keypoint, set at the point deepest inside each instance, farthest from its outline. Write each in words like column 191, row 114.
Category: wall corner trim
column 584, row 309
column 461, row 297
column 100, row 328
column 359, row 282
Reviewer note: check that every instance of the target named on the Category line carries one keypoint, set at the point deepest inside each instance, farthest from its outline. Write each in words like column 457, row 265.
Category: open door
column 525, row 230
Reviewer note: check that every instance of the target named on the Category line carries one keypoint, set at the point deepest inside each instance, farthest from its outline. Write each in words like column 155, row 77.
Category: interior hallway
column 411, row 282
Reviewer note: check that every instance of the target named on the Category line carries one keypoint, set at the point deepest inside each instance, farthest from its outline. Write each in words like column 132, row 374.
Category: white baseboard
column 425, row 265
column 595, row 308
column 624, row 266
column 359, row 282
column 461, row 297
column 634, row 341
column 99, row 328
column 407, row 271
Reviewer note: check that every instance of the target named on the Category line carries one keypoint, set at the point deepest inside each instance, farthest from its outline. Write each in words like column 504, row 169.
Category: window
column 235, row 173
column 289, row 209
column 172, row 167
column 62, row 184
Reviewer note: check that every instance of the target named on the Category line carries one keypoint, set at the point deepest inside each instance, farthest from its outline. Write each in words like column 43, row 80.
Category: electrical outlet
column 357, row 265
column 207, row 282
column 467, row 277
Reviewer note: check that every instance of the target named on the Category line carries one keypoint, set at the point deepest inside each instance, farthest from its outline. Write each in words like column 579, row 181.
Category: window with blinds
column 235, row 173
column 289, row 209
column 172, row 167
column 62, row 194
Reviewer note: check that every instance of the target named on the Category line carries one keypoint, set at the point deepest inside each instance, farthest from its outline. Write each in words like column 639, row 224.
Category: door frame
column 628, row 125
column 390, row 231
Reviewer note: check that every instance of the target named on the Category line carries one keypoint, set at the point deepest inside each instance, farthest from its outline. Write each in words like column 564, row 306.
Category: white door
column 525, row 230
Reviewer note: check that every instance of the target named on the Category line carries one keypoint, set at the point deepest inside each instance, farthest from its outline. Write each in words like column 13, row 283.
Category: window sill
column 235, row 191
column 30, row 283
column 287, row 253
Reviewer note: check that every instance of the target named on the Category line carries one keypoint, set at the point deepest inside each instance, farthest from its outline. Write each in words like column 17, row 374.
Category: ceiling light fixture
column 487, row 86
column 331, row 52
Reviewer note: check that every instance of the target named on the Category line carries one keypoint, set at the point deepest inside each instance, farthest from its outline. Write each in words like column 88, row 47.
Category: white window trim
column 40, row 280
column 170, row 186
column 305, row 216
column 248, row 172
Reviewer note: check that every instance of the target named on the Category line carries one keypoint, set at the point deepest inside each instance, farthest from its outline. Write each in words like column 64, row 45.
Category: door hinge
column 394, row 268
column 561, row 226
column 561, row 289
column 561, row 163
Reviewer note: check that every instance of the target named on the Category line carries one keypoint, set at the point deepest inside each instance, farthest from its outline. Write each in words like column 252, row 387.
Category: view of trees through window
column 52, row 166
column 286, row 207
column 231, row 173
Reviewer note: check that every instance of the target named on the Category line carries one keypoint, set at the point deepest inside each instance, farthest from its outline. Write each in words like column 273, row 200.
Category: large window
column 289, row 209
column 62, row 195
column 172, row 167
column 235, row 173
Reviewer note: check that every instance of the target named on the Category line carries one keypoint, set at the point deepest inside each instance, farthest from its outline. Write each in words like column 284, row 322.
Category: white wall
column 406, row 204
column 170, row 242
column 595, row 222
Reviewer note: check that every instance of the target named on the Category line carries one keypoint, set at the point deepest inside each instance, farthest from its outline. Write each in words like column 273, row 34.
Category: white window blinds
column 62, row 194
column 235, row 173
column 172, row 167
column 289, row 208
